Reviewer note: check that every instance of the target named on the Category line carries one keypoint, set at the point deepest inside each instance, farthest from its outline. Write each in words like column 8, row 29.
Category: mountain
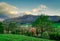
column 28, row 19
column 24, row 19
column 2, row 17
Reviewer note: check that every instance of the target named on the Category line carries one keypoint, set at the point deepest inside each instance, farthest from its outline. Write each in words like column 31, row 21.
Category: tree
column 1, row 27
column 43, row 23
column 12, row 26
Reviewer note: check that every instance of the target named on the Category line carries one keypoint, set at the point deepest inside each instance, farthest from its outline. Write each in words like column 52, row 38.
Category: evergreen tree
column 1, row 27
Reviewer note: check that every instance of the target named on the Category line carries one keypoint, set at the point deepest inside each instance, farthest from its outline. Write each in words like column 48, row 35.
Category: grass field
column 56, row 25
column 11, row 37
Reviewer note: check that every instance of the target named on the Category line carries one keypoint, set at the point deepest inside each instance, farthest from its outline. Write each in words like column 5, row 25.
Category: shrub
column 1, row 28
column 45, row 35
column 55, row 36
column 15, row 32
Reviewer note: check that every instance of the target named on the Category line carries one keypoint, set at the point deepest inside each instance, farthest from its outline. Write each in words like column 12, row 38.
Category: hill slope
column 11, row 37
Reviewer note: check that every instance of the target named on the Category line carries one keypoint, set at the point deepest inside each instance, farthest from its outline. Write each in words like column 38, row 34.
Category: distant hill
column 3, row 16
column 28, row 19
column 24, row 19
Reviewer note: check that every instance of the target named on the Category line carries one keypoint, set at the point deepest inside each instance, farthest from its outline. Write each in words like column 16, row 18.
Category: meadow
column 13, row 37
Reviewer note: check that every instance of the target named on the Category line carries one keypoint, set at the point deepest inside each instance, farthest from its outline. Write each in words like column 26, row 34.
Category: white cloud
column 52, row 12
column 43, row 9
column 9, row 10
column 37, row 11
column 40, row 8
column 27, row 12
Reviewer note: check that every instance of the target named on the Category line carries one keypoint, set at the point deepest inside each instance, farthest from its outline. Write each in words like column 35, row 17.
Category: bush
column 45, row 35
column 55, row 36
column 28, row 33
column 15, row 32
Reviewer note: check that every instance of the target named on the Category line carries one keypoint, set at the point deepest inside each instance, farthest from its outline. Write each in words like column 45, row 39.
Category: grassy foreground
column 11, row 37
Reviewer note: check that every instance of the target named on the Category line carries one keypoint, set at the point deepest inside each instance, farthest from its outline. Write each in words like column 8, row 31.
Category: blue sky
column 29, row 4
column 23, row 4
column 15, row 8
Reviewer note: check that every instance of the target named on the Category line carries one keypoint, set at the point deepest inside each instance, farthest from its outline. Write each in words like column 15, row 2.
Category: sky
column 15, row 8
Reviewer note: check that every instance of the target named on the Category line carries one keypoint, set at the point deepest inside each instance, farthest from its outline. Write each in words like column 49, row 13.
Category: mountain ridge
column 28, row 19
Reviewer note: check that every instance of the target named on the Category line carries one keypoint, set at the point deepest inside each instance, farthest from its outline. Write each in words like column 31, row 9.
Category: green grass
column 12, row 37
column 56, row 25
